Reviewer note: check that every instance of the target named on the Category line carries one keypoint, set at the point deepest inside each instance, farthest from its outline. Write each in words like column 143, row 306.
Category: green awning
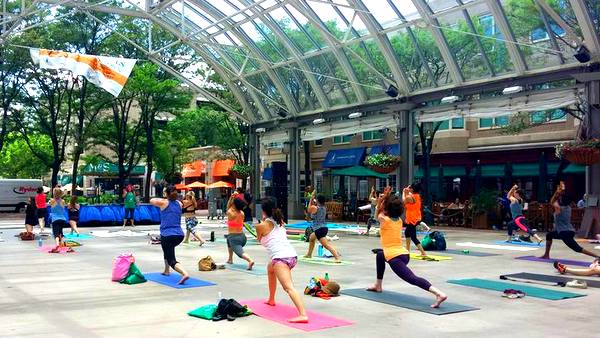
column 574, row 169
column 450, row 171
column 104, row 168
column 532, row 169
column 66, row 179
column 357, row 171
column 489, row 170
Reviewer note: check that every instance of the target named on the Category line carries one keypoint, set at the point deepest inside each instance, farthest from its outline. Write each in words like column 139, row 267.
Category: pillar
column 255, row 178
column 404, row 136
column 294, row 210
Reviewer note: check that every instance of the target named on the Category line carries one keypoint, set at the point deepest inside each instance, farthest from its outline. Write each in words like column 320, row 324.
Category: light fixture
column 260, row 130
column 512, row 90
column 392, row 91
column 450, row 99
column 282, row 113
column 355, row 115
column 318, row 121
column 582, row 54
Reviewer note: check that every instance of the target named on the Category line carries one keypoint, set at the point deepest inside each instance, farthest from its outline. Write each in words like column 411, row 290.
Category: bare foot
column 183, row 279
column 270, row 302
column 299, row 319
column 166, row 273
column 186, row 242
column 337, row 260
column 545, row 257
column 250, row 265
column 307, row 256
column 375, row 289
column 229, row 262
column 439, row 300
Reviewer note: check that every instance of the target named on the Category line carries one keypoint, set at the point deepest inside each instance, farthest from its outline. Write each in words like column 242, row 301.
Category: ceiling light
column 355, row 115
column 450, row 99
column 282, row 113
column 512, row 90
column 582, row 54
column 392, row 91
column 260, row 130
column 318, row 121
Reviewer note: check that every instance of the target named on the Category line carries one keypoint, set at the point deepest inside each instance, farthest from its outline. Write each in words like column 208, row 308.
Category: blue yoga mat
column 535, row 245
column 173, row 278
column 257, row 270
column 304, row 225
column 530, row 291
column 76, row 237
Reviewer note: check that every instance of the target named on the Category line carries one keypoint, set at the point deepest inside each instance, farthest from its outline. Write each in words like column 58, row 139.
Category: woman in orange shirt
column 412, row 201
column 394, row 253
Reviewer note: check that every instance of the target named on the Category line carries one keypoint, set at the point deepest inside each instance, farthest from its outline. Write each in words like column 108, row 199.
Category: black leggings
column 519, row 223
column 568, row 237
column 410, row 231
column 168, row 244
column 399, row 266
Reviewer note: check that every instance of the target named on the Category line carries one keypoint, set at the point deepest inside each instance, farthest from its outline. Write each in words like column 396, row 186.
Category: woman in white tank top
column 272, row 235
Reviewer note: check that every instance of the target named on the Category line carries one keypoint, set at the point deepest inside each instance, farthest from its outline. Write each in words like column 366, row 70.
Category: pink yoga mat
column 281, row 313
column 47, row 249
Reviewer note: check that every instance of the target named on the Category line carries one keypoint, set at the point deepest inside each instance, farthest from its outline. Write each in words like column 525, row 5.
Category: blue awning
column 267, row 174
column 344, row 158
column 391, row 149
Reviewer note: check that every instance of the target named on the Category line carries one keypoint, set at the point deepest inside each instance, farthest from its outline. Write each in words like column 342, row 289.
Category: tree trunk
column 76, row 157
column 149, row 158
column 55, row 169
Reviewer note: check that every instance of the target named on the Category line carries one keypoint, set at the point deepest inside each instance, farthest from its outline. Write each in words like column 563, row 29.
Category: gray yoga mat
column 471, row 253
column 408, row 302
column 257, row 270
column 553, row 279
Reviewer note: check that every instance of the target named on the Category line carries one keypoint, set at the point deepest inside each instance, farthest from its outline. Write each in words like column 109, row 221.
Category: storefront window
column 318, row 179
column 458, row 123
column 374, row 135
column 363, row 189
column 342, row 139
column 318, row 143
column 494, row 122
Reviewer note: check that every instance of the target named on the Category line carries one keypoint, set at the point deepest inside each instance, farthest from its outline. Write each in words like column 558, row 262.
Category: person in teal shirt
column 129, row 204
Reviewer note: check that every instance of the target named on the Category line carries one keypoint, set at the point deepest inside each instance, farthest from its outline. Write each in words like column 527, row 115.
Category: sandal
column 562, row 269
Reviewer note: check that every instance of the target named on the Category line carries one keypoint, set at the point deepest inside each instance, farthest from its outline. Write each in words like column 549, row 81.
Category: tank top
column 40, row 201
column 190, row 209
column 73, row 212
column 57, row 212
column 276, row 242
column 413, row 210
column 237, row 223
column 391, row 238
column 562, row 220
column 319, row 218
column 516, row 209
column 170, row 220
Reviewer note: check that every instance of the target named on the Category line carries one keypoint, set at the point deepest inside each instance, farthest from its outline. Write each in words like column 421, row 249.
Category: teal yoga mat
column 530, row 291
column 76, row 237
column 257, row 270
column 408, row 302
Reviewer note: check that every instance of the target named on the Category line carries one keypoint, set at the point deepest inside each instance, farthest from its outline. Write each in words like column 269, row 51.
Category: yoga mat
column 322, row 261
column 250, row 229
column 531, row 291
column 196, row 245
column 304, row 225
column 75, row 237
column 281, row 313
column 496, row 247
column 173, row 278
column 257, row 270
column 429, row 257
column 471, row 253
column 47, row 249
column 553, row 279
column 535, row 245
column 407, row 301
column 552, row 260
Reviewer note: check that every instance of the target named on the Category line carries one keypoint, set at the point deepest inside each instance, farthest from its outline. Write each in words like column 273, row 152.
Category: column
column 294, row 210
column 255, row 178
column 404, row 136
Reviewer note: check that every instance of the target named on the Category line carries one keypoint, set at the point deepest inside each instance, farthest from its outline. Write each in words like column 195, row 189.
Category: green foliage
column 241, row 170
column 382, row 160
column 108, row 198
column 17, row 160
column 483, row 202
column 561, row 148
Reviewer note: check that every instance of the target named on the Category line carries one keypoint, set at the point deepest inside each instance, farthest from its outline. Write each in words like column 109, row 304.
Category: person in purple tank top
column 171, row 234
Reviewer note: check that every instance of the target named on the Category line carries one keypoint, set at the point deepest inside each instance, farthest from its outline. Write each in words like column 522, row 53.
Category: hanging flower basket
column 382, row 163
column 585, row 152
column 240, row 171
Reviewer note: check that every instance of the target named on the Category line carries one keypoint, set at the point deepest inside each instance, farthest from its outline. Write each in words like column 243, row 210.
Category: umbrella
column 220, row 184
column 478, row 177
column 197, row 184
column 542, row 178
column 46, row 189
column 508, row 173
column 181, row 187
column 441, row 183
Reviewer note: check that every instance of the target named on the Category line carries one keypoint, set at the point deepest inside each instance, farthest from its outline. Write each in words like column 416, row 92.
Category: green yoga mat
column 322, row 261
column 530, row 291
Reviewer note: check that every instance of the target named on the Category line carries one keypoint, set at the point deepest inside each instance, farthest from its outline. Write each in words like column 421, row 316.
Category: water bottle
column 327, row 276
column 319, row 250
column 40, row 242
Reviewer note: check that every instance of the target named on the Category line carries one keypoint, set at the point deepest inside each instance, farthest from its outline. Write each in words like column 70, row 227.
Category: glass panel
column 264, row 84
column 445, row 125
column 270, row 44
column 458, row 123
column 439, row 5
column 312, row 31
column 486, row 123
column 383, row 13
column 318, row 143
column 332, row 79
column 292, row 31
column 502, row 121
column 538, row 117
column 297, row 86
column 408, row 9
column 370, row 58
column 491, row 39
column 334, row 22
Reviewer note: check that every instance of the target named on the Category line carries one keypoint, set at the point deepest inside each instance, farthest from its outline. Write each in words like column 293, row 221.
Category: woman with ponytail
column 272, row 235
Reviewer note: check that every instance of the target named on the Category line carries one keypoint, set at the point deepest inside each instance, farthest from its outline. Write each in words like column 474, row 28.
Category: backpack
column 207, row 264
column 27, row 236
column 230, row 309
column 434, row 241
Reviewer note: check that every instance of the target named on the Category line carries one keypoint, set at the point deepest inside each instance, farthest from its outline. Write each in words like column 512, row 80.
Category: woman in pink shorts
column 272, row 235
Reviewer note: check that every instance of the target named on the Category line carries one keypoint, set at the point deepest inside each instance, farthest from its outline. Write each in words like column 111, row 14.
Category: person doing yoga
column 272, row 235
column 412, row 201
column 563, row 229
column 317, row 211
column 518, row 220
column 189, row 212
column 58, row 219
column 171, row 234
column 236, row 239
column 389, row 209
column 593, row 270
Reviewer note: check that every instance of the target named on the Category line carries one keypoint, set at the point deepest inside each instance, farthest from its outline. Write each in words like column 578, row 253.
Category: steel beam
column 513, row 50
column 590, row 34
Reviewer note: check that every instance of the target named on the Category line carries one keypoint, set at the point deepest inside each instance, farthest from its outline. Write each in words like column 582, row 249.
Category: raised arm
column 511, row 193
column 407, row 196
column 159, row 202
column 312, row 205
column 381, row 201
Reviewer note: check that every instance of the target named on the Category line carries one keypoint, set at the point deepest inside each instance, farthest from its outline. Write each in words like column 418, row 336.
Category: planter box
column 583, row 156
column 383, row 170
column 481, row 221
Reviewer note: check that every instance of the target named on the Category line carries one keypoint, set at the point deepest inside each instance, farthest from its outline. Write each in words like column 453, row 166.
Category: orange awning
column 181, row 187
column 221, row 184
column 197, row 184
column 194, row 169
column 221, row 167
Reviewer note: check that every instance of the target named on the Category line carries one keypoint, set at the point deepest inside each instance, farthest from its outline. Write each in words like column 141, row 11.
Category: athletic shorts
column 41, row 212
column 57, row 227
column 237, row 242
column 321, row 232
column 289, row 261
column 190, row 223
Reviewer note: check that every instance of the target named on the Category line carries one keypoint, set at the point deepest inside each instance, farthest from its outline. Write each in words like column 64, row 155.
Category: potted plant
column 240, row 171
column 481, row 206
column 584, row 152
column 382, row 162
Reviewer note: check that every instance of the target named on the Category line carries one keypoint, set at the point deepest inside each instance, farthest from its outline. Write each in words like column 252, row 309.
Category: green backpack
column 134, row 276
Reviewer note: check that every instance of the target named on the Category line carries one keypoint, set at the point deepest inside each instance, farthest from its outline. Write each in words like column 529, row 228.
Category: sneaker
column 560, row 267
column 577, row 284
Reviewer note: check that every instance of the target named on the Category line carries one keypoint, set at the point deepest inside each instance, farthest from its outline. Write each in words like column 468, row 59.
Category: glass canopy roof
column 310, row 56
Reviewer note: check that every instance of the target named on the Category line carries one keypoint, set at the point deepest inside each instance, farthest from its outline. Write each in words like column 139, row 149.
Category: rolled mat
column 257, row 270
column 535, row 245
column 469, row 253
column 530, row 291
column 421, row 304
column 77, row 237
column 429, row 257
column 173, row 278
column 553, row 279
column 552, row 260
column 322, row 261
column 280, row 313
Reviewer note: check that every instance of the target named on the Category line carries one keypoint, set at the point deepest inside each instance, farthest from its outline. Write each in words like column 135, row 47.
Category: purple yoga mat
column 551, row 260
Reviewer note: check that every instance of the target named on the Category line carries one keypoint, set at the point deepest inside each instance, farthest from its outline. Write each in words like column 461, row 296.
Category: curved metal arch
column 590, row 36
column 317, row 89
column 244, row 39
column 342, row 58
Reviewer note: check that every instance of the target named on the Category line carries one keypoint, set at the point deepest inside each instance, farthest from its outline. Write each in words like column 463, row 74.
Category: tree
column 17, row 160
column 13, row 78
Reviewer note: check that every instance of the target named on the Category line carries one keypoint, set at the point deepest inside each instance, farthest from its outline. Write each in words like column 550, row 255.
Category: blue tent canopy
column 344, row 158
